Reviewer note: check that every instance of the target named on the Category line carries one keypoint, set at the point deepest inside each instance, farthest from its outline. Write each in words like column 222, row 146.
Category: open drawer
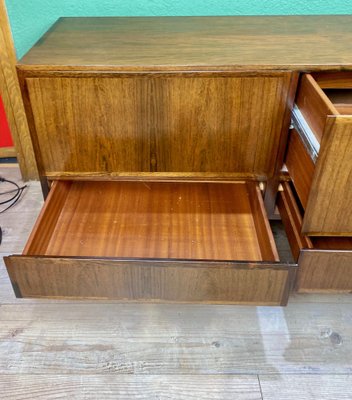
column 158, row 241
column 319, row 154
column 324, row 263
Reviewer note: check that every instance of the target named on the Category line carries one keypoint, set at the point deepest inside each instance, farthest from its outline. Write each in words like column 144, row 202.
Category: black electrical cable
column 12, row 200
column 15, row 198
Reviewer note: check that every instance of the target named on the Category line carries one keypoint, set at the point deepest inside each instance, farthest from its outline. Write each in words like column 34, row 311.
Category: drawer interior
column 178, row 220
column 314, row 105
column 291, row 214
column 324, row 263
column 321, row 95
column 331, row 243
column 341, row 99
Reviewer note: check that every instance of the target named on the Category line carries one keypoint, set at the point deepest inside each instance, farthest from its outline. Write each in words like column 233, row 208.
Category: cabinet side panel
column 179, row 123
column 329, row 210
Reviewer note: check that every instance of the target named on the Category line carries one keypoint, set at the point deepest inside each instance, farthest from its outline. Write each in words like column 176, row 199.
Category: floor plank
column 306, row 387
column 332, row 298
column 128, row 338
column 10, row 171
column 17, row 222
column 44, row 387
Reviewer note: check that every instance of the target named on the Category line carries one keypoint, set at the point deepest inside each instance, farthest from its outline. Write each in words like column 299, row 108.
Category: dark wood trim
column 37, row 72
column 155, row 176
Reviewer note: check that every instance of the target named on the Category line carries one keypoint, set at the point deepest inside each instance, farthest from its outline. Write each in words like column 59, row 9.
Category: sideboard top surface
column 195, row 43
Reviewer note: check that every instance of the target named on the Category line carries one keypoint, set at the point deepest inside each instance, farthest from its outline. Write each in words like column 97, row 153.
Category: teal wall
column 31, row 18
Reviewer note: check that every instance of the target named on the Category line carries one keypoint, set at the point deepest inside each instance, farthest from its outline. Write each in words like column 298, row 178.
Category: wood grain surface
column 179, row 124
column 314, row 104
column 6, row 152
column 329, row 211
column 306, row 387
column 146, row 339
column 46, row 222
column 324, row 263
column 341, row 99
column 11, row 97
column 300, row 166
column 262, row 226
column 279, row 42
column 126, row 387
column 334, row 80
column 154, row 220
column 292, row 220
column 148, row 226
column 324, row 270
column 152, row 280
column 332, row 243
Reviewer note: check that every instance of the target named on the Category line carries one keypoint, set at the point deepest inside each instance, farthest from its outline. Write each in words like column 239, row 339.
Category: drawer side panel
column 300, row 166
column 314, row 104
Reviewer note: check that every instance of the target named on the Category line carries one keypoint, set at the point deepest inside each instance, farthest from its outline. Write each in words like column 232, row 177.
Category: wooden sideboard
column 164, row 145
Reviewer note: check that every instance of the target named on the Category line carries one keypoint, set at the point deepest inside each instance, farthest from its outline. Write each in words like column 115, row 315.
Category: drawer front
column 324, row 271
column 324, row 264
column 148, row 280
column 162, row 124
column 325, row 189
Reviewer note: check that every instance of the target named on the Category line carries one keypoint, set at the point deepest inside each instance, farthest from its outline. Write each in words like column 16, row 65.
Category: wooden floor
column 107, row 350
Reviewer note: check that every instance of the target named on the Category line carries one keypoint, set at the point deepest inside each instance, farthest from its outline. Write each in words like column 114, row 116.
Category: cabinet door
column 168, row 123
column 329, row 208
